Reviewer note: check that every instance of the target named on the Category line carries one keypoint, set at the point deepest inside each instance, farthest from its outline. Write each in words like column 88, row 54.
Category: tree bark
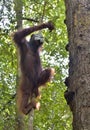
column 31, row 118
column 20, row 125
column 78, row 82
column 18, row 10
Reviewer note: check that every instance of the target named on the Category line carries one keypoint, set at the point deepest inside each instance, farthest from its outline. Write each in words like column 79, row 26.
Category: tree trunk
column 78, row 82
column 19, row 118
column 31, row 118
column 18, row 10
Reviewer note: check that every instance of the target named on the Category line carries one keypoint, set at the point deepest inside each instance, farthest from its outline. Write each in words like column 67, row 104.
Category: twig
column 4, row 106
column 29, row 19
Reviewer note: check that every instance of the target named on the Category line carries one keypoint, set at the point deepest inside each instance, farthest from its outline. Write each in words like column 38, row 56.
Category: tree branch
column 29, row 19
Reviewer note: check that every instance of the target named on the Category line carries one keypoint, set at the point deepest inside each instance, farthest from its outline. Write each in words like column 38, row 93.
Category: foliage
column 54, row 113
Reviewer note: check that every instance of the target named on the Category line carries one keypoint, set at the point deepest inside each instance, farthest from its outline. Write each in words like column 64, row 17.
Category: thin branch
column 8, row 102
column 43, row 12
column 29, row 19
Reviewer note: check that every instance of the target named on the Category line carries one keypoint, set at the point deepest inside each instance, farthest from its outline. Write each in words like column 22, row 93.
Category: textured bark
column 78, row 82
